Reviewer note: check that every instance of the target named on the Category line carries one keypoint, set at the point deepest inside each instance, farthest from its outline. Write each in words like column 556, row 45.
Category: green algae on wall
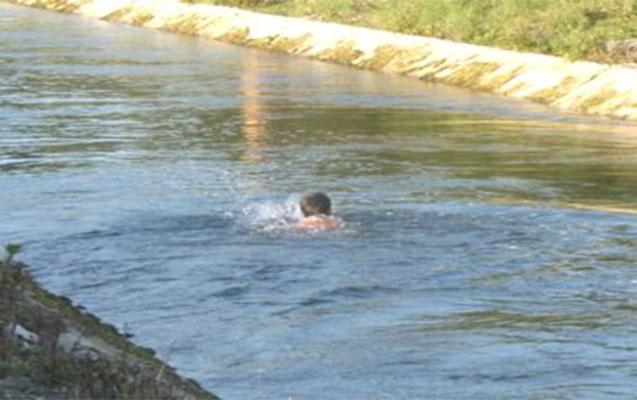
column 131, row 15
column 344, row 53
column 290, row 45
column 66, row 6
column 383, row 56
column 575, row 86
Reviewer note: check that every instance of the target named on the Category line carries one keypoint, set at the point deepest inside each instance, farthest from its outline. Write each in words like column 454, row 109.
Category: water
column 152, row 178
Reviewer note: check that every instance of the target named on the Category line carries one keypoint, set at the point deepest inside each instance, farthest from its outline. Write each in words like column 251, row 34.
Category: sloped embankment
column 587, row 87
column 51, row 349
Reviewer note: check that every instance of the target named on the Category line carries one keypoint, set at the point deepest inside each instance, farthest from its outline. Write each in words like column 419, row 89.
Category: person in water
column 317, row 211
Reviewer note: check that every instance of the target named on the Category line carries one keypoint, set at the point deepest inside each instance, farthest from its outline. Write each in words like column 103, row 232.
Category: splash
column 272, row 216
column 284, row 217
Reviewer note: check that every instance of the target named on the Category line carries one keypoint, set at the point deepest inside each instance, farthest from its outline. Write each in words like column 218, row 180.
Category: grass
column 575, row 29
column 39, row 368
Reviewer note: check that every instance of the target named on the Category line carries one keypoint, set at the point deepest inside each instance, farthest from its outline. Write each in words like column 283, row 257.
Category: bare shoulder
column 320, row 223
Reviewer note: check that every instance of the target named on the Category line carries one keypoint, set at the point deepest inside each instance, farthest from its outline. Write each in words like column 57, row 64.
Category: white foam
column 271, row 216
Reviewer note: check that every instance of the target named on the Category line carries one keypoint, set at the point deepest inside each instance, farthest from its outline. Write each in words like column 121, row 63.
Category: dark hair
column 316, row 203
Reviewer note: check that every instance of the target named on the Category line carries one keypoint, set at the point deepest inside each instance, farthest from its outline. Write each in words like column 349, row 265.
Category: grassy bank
column 51, row 349
column 576, row 29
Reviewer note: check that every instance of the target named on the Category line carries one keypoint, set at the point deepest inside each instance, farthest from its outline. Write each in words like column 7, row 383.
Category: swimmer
column 317, row 212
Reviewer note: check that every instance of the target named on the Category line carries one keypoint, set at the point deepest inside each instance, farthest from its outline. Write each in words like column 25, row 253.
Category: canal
column 489, row 247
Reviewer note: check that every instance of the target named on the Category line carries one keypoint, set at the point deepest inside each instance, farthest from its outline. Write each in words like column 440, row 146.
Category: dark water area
column 152, row 178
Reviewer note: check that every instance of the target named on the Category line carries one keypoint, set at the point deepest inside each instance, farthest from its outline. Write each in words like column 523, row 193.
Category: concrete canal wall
column 586, row 87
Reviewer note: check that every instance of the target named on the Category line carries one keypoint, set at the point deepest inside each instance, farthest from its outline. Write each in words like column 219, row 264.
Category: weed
column 576, row 29
column 11, row 249
column 46, row 370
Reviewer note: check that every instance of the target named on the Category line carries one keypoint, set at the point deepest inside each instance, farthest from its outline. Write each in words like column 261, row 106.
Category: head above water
column 316, row 203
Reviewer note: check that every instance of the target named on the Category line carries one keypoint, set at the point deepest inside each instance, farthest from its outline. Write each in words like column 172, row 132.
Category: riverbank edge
column 573, row 86
column 52, row 348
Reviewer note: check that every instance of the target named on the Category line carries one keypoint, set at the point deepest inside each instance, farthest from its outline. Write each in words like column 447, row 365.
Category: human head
column 316, row 204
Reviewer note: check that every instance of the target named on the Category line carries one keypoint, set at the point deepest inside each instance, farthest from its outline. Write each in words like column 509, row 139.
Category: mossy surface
column 289, row 44
column 100, row 363
column 236, row 36
column 343, row 53
column 130, row 14
column 512, row 90
column 382, row 56
column 493, row 83
column 56, row 5
column 395, row 58
column 65, row 6
column 469, row 74
column 88, row 322
column 405, row 61
column 427, row 71
column 597, row 99
column 189, row 24
column 551, row 94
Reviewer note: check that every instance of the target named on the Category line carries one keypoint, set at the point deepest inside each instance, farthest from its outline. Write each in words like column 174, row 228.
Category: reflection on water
column 489, row 250
column 252, row 108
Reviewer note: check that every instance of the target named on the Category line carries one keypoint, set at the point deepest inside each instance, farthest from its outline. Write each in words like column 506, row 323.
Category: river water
column 152, row 178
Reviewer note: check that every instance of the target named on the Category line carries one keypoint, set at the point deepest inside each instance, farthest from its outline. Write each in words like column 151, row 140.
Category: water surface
column 150, row 178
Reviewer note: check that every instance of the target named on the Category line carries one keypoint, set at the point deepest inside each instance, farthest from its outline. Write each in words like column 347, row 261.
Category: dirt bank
column 51, row 349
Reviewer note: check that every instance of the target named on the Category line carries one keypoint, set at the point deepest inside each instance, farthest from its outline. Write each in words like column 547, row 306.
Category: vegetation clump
column 575, row 29
column 36, row 362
